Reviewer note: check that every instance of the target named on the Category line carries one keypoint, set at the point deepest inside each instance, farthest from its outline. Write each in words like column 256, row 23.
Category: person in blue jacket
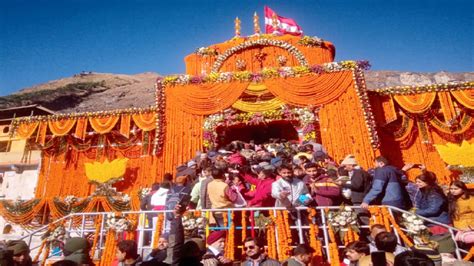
column 387, row 187
column 430, row 201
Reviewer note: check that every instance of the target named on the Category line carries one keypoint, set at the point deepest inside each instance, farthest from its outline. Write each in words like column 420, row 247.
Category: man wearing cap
column 21, row 253
column 360, row 181
column 215, row 248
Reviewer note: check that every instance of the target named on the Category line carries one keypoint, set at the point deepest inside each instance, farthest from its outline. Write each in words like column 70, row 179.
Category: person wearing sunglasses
column 254, row 250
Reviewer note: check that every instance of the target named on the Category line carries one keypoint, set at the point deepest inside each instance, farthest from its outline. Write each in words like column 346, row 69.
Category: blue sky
column 46, row 40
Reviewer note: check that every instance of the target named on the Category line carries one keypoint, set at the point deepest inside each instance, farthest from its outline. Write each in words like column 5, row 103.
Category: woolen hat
column 214, row 236
column 18, row 247
column 349, row 160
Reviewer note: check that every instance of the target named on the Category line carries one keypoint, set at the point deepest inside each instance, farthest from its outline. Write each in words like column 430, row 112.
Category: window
column 4, row 146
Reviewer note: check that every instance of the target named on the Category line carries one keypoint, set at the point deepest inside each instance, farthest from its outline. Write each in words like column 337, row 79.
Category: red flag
column 284, row 26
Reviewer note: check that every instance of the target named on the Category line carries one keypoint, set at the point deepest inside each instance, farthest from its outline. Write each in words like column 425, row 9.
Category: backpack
column 175, row 195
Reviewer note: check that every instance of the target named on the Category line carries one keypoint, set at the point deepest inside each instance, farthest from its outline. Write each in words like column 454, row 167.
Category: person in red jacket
column 325, row 192
column 262, row 195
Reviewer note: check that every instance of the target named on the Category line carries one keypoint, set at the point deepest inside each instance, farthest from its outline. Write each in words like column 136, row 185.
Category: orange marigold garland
column 244, row 229
column 314, row 242
column 109, row 249
column 283, row 239
column 98, row 224
column 230, row 245
column 469, row 255
column 158, row 229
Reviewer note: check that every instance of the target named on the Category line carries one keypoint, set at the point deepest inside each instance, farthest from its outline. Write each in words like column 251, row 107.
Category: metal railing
column 84, row 224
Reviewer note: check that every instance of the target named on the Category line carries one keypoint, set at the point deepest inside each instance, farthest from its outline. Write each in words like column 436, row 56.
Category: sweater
column 386, row 187
column 217, row 191
column 262, row 195
column 296, row 188
column 464, row 213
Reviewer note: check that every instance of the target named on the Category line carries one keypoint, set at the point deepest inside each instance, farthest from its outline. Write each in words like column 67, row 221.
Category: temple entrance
column 260, row 133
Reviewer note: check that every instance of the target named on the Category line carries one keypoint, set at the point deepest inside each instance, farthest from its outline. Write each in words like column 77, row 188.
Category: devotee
column 159, row 253
column 127, row 254
column 354, row 251
column 302, row 256
column 21, row 253
column 261, row 196
column 6, row 257
column 386, row 242
column 255, row 254
column 359, row 182
column 158, row 199
column 287, row 190
column 412, row 258
column 77, row 249
column 386, row 184
column 461, row 205
column 215, row 248
column 222, row 195
column 431, row 203
column 145, row 205
column 375, row 229
column 323, row 189
column 196, row 195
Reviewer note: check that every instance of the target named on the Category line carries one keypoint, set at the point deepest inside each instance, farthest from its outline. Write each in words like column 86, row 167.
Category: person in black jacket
column 360, row 181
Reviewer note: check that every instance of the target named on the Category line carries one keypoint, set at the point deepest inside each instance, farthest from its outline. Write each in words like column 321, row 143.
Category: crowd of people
column 287, row 174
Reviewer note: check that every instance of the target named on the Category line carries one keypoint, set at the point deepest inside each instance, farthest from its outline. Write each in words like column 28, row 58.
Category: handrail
column 90, row 216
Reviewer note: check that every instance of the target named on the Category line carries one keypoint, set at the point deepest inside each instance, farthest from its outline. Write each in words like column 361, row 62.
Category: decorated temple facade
column 287, row 86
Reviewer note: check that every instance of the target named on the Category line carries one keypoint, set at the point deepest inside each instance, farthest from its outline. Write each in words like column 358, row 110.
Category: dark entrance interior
column 259, row 133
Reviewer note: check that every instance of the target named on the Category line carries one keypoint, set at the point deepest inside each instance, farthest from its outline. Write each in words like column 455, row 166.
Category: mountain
column 90, row 91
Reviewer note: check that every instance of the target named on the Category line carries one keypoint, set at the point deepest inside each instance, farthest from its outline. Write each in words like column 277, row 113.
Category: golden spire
column 256, row 27
column 237, row 26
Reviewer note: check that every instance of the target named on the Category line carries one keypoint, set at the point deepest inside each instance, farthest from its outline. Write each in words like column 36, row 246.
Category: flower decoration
column 118, row 223
column 405, row 90
column 240, row 64
column 70, row 200
column 58, row 234
column 282, row 60
column 259, row 42
column 311, row 41
column 143, row 192
column 107, row 171
column 193, row 223
column 414, row 225
column 361, row 90
column 342, row 219
column 206, row 51
column 306, row 116
column 454, row 154
column 247, row 76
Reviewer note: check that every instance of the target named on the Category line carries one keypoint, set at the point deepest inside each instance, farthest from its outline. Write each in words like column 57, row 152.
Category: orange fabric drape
column 125, row 125
column 204, row 99
column 311, row 89
column 61, row 127
column 41, row 135
column 465, row 97
column 447, row 106
column 145, row 121
column 81, row 128
column 25, row 130
column 416, row 103
column 343, row 129
column 103, row 125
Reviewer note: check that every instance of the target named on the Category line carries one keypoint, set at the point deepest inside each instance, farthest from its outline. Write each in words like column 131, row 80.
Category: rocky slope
column 87, row 92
